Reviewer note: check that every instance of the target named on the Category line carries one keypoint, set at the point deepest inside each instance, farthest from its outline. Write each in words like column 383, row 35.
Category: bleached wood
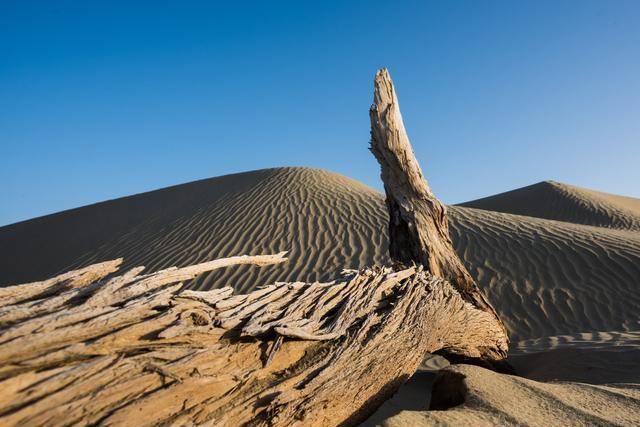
column 310, row 353
column 58, row 284
column 418, row 225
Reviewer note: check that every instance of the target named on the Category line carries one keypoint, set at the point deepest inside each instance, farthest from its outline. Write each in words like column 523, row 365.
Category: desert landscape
column 559, row 263
column 563, row 276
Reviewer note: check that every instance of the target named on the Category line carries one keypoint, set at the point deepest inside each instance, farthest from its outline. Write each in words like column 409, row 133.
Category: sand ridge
column 547, row 277
column 564, row 202
column 326, row 221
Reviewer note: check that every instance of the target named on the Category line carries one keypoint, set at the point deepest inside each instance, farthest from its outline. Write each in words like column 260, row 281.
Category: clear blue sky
column 102, row 99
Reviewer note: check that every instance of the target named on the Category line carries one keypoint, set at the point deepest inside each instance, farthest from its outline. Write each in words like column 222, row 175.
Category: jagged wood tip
column 418, row 225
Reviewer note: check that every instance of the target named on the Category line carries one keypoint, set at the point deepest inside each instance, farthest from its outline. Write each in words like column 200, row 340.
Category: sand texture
column 561, row 265
column 327, row 222
column 563, row 202
column 497, row 400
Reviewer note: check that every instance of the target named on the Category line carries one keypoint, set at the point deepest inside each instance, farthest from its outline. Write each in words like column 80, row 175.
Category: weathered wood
column 418, row 225
column 290, row 353
column 56, row 285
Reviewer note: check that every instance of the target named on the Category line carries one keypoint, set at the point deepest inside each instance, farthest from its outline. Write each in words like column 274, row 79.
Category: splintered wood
column 142, row 348
column 418, row 224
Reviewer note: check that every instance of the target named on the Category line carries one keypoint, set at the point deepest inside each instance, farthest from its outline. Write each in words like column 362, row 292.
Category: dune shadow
column 414, row 395
column 586, row 365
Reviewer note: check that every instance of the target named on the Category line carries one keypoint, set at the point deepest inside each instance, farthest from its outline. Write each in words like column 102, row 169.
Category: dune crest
column 326, row 221
column 568, row 203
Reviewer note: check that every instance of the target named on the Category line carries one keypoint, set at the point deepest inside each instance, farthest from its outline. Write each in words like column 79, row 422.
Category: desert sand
column 561, row 265
column 563, row 202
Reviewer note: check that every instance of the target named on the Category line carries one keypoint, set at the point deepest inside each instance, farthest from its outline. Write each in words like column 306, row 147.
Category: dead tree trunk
column 418, row 225
column 88, row 347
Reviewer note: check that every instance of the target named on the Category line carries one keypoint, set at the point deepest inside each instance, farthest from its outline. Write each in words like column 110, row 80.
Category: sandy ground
column 561, row 264
column 562, row 202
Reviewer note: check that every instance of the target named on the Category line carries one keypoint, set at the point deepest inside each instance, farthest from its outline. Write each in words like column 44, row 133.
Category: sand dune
column 544, row 277
column 590, row 379
column 551, row 278
column 326, row 221
column 563, row 284
column 563, row 202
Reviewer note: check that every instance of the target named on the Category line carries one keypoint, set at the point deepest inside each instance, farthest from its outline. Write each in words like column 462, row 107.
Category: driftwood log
column 94, row 347
column 141, row 349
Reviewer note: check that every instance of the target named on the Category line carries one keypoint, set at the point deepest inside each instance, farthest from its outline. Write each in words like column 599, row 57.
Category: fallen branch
column 156, row 353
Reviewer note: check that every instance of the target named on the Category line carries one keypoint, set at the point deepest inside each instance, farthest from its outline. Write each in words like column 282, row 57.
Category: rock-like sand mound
column 563, row 202
column 552, row 282
column 493, row 399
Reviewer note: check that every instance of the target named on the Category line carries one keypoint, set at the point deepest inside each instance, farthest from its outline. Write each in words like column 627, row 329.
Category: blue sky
column 105, row 99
